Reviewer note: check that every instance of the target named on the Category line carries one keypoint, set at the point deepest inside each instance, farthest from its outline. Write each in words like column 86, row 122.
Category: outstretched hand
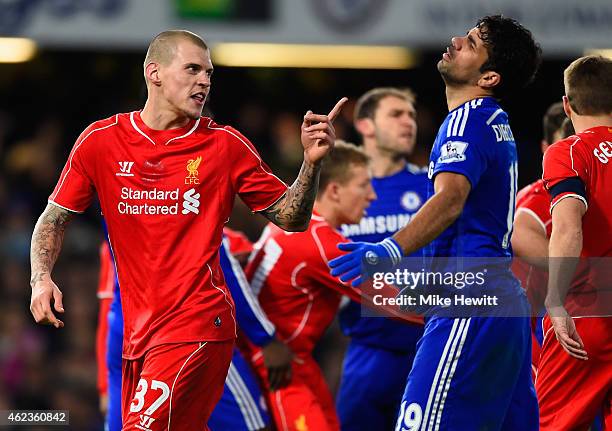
column 318, row 134
column 348, row 266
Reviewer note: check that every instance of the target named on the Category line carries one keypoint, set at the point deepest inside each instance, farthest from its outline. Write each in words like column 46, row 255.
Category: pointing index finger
column 336, row 109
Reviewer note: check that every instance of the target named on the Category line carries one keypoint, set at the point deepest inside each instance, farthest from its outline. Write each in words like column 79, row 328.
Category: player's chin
column 194, row 114
column 355, row 218
column 405, row 147
column 442, row 67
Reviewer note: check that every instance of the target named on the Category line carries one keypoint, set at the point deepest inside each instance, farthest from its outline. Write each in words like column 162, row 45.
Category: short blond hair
column 336, row 165
column 163, row 46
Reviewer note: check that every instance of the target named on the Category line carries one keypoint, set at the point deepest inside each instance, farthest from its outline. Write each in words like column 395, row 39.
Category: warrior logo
column 125, row 169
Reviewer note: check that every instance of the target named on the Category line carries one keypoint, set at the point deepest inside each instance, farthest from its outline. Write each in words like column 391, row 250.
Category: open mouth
column 447, row 55
column 199, row 98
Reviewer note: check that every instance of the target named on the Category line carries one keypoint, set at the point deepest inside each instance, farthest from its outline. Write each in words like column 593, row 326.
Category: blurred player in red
column 532, row 227
column 575, row 372
column 289, row 273
column 239, row 244
column 166, row 178
column 106, row 284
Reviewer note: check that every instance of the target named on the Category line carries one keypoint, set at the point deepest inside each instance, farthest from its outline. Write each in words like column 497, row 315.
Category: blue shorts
column 373, row 381
column 471, row 374
column 242, row 406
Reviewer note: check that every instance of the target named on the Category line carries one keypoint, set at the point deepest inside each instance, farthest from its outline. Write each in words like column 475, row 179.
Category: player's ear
column 489, row 79
column 332, row 191
column 567, row 107
column 152, row 73
column 365, row 127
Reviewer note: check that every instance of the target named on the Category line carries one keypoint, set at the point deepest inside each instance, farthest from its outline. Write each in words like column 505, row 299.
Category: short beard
column 449, row 79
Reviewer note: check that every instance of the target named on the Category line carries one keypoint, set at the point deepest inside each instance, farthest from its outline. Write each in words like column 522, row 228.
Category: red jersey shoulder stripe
column 72, row 153
column 320, row 223
column 244, row 142
column 571, row 152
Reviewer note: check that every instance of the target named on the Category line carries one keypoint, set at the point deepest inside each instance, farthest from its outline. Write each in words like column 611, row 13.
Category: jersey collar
column 161, row 137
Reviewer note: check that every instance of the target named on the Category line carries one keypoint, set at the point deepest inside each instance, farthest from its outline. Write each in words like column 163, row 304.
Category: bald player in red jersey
column 289, row 273
column 166, row 178
column 532, row 228
column 575, row 372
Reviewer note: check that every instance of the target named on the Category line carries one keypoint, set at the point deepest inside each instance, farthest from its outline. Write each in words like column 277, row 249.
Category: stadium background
column 88, row 65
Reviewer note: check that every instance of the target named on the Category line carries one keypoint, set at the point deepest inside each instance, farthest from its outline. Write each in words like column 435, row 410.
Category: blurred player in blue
column 471, row 373
column 242, row 406
column 381, row 350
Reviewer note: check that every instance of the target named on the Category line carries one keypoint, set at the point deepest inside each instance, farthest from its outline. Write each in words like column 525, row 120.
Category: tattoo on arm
column 47, row 241
column 292, row 212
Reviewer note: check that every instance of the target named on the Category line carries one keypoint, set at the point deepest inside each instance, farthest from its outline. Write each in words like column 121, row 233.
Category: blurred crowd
column 43, row 107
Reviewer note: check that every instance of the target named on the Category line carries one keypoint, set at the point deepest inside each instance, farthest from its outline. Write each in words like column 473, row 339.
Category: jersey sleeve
column 251, row 318
column 463, row 147
column 238, row 242
column 327, row 241
column 252, row 179
column 75, row 190
column 537, row 204
column 565, row 171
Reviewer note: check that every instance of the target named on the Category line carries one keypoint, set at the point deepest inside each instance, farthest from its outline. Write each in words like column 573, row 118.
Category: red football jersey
column 535, row 201
column 165, row 196
column 238, row 242
column 289, row 272
column 587, row 155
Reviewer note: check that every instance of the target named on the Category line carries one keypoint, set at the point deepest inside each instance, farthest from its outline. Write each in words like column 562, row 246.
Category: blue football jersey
column 455, row 382
column 399, row 197
column 475, row 140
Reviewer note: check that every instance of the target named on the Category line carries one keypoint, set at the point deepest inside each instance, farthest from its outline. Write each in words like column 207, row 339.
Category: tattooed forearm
column 292, row 212
column 47, row 241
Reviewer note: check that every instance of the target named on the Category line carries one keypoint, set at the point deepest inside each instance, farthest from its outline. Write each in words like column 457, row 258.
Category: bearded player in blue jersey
column 381, row 350
column 470, row 373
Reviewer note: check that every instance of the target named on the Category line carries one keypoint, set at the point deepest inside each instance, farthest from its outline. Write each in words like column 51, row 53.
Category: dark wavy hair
column 513, row 53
